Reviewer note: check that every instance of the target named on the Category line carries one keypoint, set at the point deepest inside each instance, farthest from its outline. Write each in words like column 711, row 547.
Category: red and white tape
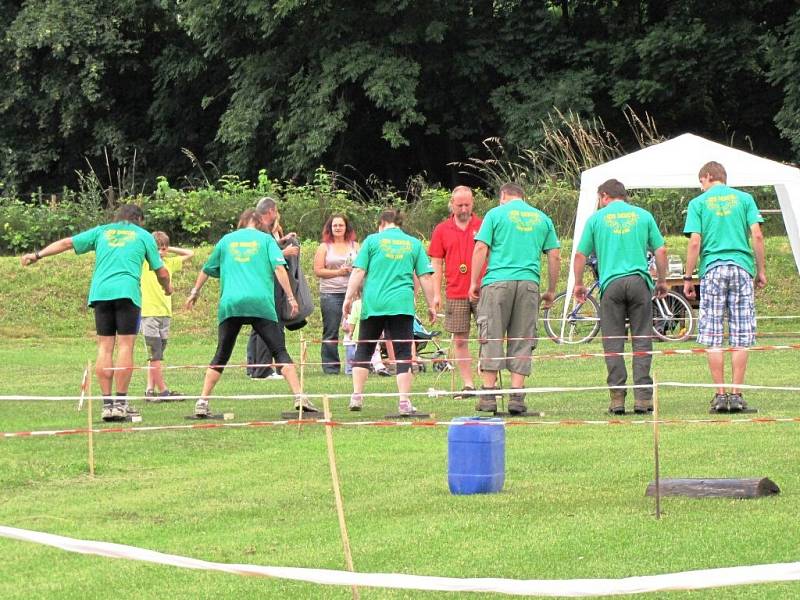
column 686, row 580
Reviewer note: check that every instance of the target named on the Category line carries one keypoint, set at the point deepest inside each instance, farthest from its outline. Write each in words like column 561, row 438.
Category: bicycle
column 673, row 320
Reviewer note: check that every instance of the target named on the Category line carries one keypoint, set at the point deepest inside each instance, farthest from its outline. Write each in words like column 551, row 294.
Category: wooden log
column 715, row 488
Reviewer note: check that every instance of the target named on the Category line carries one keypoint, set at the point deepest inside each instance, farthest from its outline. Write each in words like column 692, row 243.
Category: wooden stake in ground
column 90, row 432
column 655, row 449
column 337, row 494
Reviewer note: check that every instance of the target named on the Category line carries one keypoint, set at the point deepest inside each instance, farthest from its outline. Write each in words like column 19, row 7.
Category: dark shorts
column 116, row 317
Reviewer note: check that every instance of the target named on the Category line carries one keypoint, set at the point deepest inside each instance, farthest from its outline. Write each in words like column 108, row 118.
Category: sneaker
column 487, row 402
column 108, row 413
column 719, row 403
column 406, row 408
column 356, row 402
column 516, row 404
column 383, row 372
column 119, row 410
column 736, row 403
column 274, row 375
column 201, row 408
column 302, row 400
column 171, row 396
column 152, row 396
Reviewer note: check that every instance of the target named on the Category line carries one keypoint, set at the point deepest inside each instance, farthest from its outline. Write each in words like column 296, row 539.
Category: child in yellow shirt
column 157, row 314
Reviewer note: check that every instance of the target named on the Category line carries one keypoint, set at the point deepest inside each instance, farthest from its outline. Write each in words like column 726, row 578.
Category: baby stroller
column 437, row 355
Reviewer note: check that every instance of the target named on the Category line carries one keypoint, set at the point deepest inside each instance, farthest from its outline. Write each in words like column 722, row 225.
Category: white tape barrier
column 687, row 580
column 432, row 392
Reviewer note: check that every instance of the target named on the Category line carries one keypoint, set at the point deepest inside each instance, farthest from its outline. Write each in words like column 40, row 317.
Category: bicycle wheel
column 582, row 322
column 673, row 320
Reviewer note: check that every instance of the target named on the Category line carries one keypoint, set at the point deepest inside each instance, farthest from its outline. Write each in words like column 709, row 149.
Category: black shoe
column 719, row 403
column 736, row 403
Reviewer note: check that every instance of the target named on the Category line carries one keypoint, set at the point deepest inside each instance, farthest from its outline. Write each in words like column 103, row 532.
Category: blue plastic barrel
column 476, row 455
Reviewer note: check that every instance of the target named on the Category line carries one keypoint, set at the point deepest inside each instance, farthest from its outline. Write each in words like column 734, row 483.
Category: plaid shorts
column 727, row 290
column 458, row 313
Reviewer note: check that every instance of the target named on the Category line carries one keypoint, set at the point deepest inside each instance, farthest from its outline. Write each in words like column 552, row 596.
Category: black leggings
column 398, row 327
column 269, row 331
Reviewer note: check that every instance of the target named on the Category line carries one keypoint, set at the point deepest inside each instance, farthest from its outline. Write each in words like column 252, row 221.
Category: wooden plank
column 715, row 488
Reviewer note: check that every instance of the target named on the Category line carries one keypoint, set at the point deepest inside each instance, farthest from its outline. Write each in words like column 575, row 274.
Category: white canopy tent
column 675, row 164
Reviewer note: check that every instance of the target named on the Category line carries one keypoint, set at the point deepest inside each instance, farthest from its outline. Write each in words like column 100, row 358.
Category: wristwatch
column 687, row 277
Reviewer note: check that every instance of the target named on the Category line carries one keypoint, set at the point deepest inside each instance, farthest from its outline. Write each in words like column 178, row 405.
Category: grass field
column 573, row 505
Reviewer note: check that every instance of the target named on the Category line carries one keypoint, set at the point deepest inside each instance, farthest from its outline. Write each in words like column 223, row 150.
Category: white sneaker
column 356, row 402
column 302, row 400
column 108, row 412
column 201, row 408
column 119, row 410
column 406, row 408
column 275, row 375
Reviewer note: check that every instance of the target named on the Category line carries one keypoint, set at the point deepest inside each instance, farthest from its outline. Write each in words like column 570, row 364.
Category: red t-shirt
column 455, row 246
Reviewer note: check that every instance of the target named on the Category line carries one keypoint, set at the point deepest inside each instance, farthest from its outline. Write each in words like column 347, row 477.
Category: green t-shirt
column 517, row 234
column 620, row 234
column 390, row 259
column 245, row 262
column 120, row 249
column 723, row 216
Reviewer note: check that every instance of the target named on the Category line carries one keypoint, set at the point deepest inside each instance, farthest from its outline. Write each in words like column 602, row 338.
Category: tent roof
column 676, row 162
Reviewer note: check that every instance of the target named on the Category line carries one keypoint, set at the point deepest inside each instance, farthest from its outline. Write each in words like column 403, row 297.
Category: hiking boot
column 356, row 402
column 719, row 403
column 119, row 410
column 487, row 402
column 108, row 413
column 302, row 400
column 617, row 405
column 516, row 404
column 406, row 408
column 642, row 407
column 736, row 403
column 201, row 408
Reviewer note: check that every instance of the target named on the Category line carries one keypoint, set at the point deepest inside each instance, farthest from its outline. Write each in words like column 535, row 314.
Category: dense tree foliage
column 392, row 87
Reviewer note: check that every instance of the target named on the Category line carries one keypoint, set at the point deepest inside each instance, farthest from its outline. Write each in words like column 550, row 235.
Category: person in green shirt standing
column 718, row 222
column 245, row 261
column 115, row 295
column 514, row 235
column 620, row 235
column 385, row 269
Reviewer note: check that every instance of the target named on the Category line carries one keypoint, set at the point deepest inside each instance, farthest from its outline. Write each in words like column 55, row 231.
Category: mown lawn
column 573, row 505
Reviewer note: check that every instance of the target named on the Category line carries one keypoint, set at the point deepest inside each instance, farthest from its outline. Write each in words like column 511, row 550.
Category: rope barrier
column 430, row 393
column 511, row 422
column 686, row 580
column 538, row 357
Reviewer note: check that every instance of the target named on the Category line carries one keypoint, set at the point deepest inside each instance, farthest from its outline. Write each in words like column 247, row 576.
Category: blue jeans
column 330, row 306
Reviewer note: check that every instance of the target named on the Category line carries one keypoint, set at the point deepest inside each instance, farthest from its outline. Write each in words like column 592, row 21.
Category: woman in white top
column 333, row 263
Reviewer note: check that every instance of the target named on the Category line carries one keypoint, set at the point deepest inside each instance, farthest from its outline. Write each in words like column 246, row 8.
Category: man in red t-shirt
column 452, row 243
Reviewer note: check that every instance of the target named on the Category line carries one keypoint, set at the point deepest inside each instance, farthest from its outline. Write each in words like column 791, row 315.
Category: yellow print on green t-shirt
column 395, row 249
column 524, row 220
column 117, row 238
column 621, row 223
column 243, row 251
column 722, row 206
